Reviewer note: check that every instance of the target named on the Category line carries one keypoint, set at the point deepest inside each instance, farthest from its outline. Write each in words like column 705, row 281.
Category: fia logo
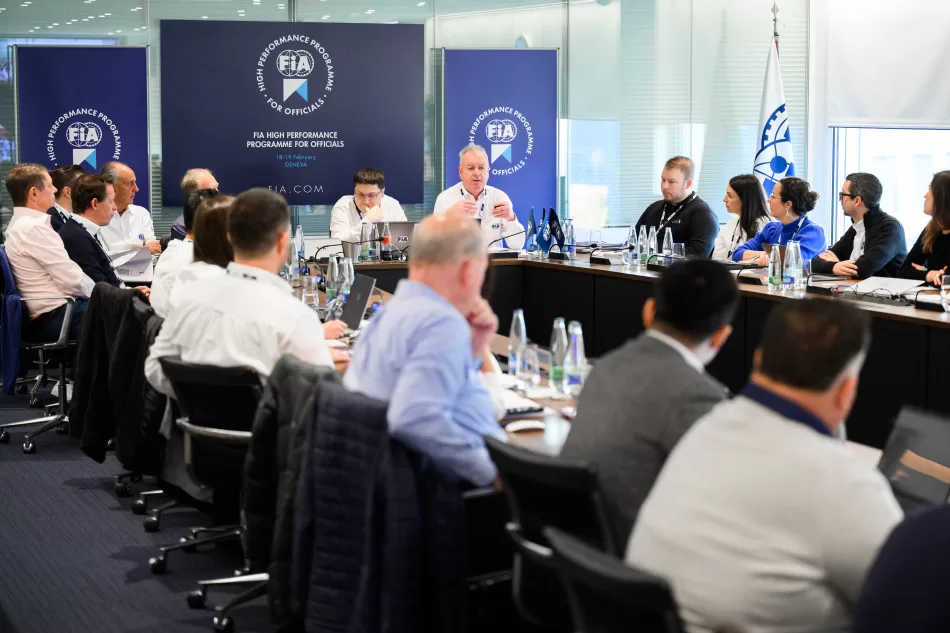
column 298, row 61
column 509, row 133
column 295, row 66
column 84, row 136
column 91, row 138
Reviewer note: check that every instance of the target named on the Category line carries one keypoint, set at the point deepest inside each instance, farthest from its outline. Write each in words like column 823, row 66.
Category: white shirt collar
column 240, row 271
column 859, row 226
column 91, row 227
column 62, row 210
column 691, row 359
column 466, row 194
column 29, row 212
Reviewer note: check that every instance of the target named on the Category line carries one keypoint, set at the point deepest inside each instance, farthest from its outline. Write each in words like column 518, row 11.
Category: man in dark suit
column 64, row 177
column 874, row 245
column 94, row 203
column 640, row 399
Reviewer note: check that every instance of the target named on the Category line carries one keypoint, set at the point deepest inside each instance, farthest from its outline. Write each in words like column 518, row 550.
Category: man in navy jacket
column 93, row 205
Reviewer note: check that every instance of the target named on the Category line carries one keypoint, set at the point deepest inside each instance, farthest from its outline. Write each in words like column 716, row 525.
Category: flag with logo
column 557, row 234
column 544, row 233
column 531, row 234
column 774, row 158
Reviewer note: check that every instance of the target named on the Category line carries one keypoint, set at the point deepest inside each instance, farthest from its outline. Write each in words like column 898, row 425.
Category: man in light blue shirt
column 423, row 352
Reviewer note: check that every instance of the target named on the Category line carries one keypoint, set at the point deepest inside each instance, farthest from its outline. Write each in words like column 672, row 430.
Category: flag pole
column 775, row 26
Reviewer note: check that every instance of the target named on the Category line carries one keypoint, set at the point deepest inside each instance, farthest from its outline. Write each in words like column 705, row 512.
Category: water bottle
column 570, row 244
column 386, row 247
column 366, row 235
column 644, row 246
column 575, row 362
column 652, row 245
column 558, row 354
column 333, row 274
column 668, row 243
column 630, row 252
column 517, row 339
column 794, row 272
column 345, row 279
column 775, row 269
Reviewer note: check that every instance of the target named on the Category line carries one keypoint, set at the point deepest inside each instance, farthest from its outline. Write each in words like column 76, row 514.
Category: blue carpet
column 73, row 557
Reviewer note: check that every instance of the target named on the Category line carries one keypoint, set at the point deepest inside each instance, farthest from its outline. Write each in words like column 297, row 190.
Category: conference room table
column 908, row 363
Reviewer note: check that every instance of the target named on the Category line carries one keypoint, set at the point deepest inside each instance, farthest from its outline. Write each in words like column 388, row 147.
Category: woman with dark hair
column 745, row 201
column 791, row 200
column 930, row 256
column 213, row 250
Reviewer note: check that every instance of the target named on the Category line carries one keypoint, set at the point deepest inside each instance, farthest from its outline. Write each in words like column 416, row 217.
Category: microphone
column 504, row 237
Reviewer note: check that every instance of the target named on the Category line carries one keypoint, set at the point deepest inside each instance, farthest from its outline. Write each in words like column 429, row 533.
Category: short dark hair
column 257, row 218
column 808, row 343
column 696, row 297
column 65, row 176
column 89, row 187
column 867, row 187
column 211, row 231
column 22, row 178
column 799, row 193
column 191, row 206
column 369, row 176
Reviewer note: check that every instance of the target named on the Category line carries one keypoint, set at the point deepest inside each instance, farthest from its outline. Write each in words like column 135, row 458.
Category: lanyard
column 481, row 210
column 664, row 221
column 800, row 222
column 735, row 239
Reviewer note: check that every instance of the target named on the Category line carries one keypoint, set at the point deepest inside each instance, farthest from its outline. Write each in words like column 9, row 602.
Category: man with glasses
column 369, row 202
column 874, row 245
column 194, row 180
column 131, row 224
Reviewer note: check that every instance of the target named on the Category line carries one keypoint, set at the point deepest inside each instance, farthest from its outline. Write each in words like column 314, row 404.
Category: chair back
column 11, row 315
column 215, row 398
column 547, row 491
column 607, row 596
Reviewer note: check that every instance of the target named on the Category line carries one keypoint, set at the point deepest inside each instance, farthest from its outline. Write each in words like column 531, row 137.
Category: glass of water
column 679, row 250
column 529, row 373
column 945, row 293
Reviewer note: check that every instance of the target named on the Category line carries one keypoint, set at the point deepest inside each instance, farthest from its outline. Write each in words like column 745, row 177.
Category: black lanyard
column 664, row 221
column 735, row 239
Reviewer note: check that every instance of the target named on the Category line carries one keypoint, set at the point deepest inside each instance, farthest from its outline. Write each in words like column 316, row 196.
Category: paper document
column 135, row 266
column 885, row 285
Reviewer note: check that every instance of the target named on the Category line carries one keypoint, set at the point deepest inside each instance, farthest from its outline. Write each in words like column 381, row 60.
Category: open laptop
column 401, row 232
column 360, row 294
column 916, row 459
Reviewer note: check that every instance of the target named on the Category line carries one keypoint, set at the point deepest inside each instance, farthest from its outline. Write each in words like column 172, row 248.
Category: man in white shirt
column 64, row 177
column 369, row 203
column 247, row 317
column 40, row 264
column 177, row 255
column 474, row 198
column 131, row 223
column 762, row 520
column 197, row 179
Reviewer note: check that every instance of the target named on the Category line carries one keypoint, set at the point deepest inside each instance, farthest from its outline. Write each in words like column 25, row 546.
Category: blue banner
column 86, row 106
column 298, row 108
column 505, row 101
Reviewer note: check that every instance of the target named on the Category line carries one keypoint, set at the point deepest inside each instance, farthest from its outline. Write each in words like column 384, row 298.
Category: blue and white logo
column 546, row 233
column 298, row 61
column 510, row 149
column 79, row 134
column 775, row 159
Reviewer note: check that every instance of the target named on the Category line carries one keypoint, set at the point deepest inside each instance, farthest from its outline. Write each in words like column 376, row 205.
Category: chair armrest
column 539, row 552
column 238, row 437
column 67, row 318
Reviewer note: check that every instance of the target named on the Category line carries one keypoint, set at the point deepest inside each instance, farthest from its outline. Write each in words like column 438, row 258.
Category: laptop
column 401, row 232
column 360, row 294
column 916, row 459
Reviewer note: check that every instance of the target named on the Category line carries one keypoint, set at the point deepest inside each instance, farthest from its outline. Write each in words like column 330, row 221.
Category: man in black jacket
column 689, row 218
column 64, row 177
column 874, row 245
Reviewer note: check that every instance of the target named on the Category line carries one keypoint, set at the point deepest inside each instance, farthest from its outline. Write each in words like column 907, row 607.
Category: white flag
column 774, row 159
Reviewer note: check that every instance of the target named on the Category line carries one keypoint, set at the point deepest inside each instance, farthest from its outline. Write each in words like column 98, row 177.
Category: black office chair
column 547, row 491
column 607, row 596
column 218, row 406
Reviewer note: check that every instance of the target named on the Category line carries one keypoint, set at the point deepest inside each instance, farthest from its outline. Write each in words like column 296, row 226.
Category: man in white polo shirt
column 762, row 520
column 369, row 203
column 131, row 223
column 474, row 198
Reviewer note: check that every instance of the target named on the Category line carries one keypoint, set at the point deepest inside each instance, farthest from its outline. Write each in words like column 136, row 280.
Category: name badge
column 496, row 225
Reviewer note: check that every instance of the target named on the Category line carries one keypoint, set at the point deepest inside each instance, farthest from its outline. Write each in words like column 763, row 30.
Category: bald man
column 131, row 223
column 193, row 181
column 423, row 353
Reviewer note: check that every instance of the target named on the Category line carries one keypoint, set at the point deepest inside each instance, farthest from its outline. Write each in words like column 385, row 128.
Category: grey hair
column 189, row 182
column 472, row 148
column 434, row 245
column 110, row 171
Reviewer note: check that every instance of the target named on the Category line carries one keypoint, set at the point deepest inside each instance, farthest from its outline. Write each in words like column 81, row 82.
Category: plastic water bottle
column 386, row 245
column 794, row 271
column 652, row 245
column 644, row 246
column 575, row 362
column 333, row 274
column 570, row 244
column 517, row 339
column 629, row 253
column 559, row 343
column 668, row 243
column 776, row 283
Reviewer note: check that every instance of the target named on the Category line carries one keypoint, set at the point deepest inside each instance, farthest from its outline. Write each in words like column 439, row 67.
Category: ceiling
column 131, row 19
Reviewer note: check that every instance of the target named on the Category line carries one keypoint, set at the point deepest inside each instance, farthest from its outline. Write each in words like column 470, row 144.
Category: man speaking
column 474, row 198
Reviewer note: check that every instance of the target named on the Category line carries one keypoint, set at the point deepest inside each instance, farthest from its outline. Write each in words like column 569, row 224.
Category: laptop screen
column 360, row 293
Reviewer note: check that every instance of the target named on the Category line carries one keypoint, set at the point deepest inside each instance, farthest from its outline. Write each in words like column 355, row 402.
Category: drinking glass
column 311, row 292
column 595, row 238
column 679, row 250
column 945, row 293
column 530, row 370
column 348, row 272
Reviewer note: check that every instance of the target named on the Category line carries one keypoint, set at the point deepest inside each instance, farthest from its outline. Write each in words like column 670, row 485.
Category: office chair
column 546, row 491
column 607, row 596
column 11, row 326
column 218, row 406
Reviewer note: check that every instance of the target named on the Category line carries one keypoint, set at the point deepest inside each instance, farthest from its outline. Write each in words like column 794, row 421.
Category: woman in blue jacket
column 789, row 203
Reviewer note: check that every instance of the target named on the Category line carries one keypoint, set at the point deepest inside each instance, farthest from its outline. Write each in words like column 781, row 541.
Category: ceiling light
column 106, row 14
column 420, row 4
column 85, row 19
column 111, row 33
column 55, row 23
column 49, row 27
column 118, row 30
column 204, row 17
column 370, row 11
column 326, row 17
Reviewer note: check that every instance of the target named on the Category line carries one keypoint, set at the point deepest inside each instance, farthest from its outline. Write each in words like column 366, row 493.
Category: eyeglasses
column 842, row 194
column 368, row 196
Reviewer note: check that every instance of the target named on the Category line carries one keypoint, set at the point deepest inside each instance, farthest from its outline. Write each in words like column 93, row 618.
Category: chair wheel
column 157, row 565
column 223, row 624
column 4, row 437
column 152, row 524
column 110, row 445
column 29, row 447
column 62, row 430
column 196, row 599
column 122, row 490
column 139, row 507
